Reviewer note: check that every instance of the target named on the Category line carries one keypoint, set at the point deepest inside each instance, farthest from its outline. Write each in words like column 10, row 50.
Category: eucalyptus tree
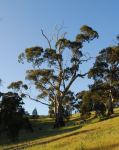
column 51, row 74
column 105, row 73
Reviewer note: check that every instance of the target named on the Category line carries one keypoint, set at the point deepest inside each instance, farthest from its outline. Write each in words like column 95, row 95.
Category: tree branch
column 71, row 81
column 46, row 38
column 36, row 100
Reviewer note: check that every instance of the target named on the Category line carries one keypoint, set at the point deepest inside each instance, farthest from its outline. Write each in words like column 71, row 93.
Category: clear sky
column 21, row 22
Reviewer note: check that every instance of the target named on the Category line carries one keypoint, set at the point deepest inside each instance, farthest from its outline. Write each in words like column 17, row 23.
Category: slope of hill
column 93, row 135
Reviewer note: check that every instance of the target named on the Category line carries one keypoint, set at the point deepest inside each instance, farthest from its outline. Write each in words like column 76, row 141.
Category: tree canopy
column 52, row 75
column 105, row 73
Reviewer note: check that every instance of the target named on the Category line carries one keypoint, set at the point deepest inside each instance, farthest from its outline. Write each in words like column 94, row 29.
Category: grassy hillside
column 93, row 135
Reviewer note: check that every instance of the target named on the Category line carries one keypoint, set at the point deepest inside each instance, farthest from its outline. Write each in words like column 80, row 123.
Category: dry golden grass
column 94, row 135
column 103, row 135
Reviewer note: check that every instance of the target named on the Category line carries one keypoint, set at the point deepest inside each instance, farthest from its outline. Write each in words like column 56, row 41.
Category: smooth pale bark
column 59, row 118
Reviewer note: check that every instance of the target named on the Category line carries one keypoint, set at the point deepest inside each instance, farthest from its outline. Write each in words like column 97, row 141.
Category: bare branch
column 36, row 100
column 46, row 38
column 58, row 30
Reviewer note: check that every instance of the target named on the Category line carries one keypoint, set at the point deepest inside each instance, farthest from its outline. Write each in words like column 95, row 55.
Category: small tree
column 35, row 113
column 56, row 68
column 85, row 104
column 100, row 97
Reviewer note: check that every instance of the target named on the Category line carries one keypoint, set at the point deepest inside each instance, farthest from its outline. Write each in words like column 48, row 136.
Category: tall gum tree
column 51, row 75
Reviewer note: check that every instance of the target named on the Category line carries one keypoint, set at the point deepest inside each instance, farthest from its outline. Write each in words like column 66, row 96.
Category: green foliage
column 85, row 104
column 51, row 56
column 87, row 34
column 106, row 64
column 18, row 85
column 12, row 118
column 105, row 73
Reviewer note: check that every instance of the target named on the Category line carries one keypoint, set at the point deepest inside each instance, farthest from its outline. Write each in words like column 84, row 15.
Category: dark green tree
column 85, row 104
column 55, row 68
column 12, row 115
column 91, row 100
column 105, row 73
column 35, row 113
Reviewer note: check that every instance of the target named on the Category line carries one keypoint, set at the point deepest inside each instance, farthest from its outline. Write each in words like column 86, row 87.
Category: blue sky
column 21, row 22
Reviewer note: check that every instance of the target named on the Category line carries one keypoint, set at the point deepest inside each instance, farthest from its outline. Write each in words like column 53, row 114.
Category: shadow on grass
column 23, row 146
column 41, row 130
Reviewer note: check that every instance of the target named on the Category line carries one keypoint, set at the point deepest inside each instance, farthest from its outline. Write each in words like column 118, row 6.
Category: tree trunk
column 110, row 105
column 110, row 108
column 59, row 119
